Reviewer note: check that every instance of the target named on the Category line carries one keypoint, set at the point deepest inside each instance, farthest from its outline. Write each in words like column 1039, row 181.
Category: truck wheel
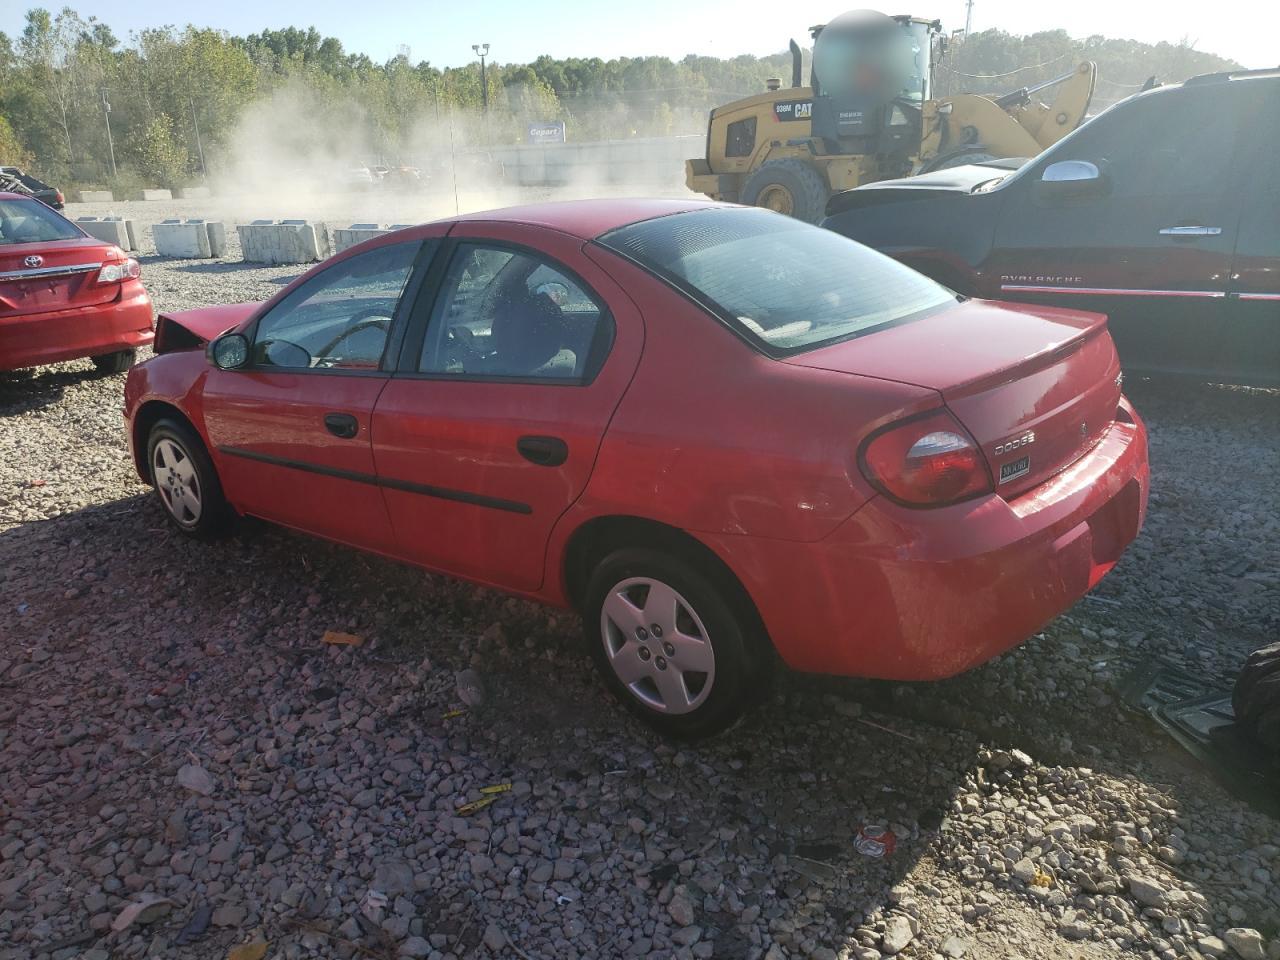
column 957, row 160
column 788, row 186
column 1256, row 698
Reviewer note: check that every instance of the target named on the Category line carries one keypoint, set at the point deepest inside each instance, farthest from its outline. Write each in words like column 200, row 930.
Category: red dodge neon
column 65, row 295
column 716, row 431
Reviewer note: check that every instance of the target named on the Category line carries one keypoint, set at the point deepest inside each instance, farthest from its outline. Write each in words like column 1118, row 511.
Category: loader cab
column 871, row 77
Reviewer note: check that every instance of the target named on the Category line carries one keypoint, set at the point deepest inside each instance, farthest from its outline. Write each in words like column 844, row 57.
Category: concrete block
column 157, row 195
column 289, row 241
column 193, row 193
column 344, row 239
column 96, row 196
column 217, row 237
column 110, row 229
column 187, row 240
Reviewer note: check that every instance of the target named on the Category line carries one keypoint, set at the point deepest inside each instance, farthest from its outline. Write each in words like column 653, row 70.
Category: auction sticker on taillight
column 1012, row 471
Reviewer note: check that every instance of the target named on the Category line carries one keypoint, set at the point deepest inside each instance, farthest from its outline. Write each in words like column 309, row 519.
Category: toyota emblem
column 33, row 261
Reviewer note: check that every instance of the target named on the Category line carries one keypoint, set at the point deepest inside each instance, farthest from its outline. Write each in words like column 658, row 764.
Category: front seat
column 528, row 333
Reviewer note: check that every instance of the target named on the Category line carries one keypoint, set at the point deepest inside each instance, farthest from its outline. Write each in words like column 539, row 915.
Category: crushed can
column 875, row 841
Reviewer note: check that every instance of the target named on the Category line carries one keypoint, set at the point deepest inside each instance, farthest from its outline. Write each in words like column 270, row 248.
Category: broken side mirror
column 229, row 351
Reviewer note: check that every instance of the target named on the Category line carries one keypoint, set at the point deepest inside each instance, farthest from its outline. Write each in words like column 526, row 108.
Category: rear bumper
column 32, row 340
column 908, row 594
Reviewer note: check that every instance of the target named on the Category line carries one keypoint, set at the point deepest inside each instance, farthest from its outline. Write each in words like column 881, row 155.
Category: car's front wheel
column 118, row 362
column 673, row 643
column 186, row 482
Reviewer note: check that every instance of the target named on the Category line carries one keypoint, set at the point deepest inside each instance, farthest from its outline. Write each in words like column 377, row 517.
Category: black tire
column 214, row 517
column 711, row 609
column 806, row 186
column 958, row 160
column 118, row 362
column 1256, row 698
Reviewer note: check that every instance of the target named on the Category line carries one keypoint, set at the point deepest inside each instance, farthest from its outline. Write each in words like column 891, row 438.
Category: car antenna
column 453, row 166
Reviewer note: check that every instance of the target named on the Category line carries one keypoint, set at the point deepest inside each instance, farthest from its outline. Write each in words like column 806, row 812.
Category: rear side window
column 784, row 285
column 30, row 221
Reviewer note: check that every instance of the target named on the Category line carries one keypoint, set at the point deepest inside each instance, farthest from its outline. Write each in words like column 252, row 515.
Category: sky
column 520, row 30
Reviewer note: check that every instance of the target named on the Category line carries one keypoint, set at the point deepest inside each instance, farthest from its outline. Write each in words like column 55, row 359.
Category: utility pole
column 482, row 51
column 204, row 173
column 106, row 115
column 968, row 17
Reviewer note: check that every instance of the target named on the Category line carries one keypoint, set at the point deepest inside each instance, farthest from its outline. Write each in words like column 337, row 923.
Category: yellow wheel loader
column 868, row 114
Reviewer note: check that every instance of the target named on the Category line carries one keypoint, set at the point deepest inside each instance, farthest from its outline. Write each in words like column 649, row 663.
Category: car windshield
column 30, row 221
column 785, row 285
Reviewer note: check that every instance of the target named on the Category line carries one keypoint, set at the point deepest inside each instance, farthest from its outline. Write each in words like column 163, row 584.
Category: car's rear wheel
column 1256, row 698
column 672, row 643
column 186, row 482
column 118, row 362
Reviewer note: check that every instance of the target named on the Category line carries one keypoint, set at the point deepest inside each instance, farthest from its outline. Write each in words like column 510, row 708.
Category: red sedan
column 65, row 295
column 716, row 431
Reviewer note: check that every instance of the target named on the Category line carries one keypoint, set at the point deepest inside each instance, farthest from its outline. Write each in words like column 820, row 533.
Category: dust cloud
column 298, row 154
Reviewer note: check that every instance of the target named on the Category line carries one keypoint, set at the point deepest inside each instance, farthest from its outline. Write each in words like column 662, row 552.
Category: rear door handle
column 544, row 451
column 1195, row 231
column 342, row 425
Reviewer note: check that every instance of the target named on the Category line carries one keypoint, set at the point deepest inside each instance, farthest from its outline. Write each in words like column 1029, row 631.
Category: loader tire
column 788, row 186
column 1256, row 698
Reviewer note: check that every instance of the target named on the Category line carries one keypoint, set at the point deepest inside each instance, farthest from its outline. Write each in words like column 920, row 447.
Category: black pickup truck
column 1162, row 212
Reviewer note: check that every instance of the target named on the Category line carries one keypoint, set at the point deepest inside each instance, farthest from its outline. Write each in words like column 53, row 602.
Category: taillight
column 120, row 271
column 926, row 461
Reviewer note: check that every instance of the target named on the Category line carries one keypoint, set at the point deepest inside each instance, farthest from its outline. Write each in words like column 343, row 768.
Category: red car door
column 290, row 429
column 510, row 373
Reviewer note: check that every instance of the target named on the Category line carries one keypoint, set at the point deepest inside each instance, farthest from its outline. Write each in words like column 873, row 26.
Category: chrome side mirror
column 229, row 351
column 1071, row 180
column 1070, row 171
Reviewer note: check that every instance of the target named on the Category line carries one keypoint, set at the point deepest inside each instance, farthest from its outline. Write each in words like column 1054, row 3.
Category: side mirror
column 229, row 351
column 1071, row 180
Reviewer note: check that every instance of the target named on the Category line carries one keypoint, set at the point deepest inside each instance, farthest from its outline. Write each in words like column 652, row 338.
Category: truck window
column 740, row 138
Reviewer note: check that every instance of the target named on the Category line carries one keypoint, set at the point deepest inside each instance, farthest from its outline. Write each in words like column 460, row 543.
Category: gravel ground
column 179, row 749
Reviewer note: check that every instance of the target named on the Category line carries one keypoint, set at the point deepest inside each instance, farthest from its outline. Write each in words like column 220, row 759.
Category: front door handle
column 1193, row 231
column 342, row 425
column 544, row 451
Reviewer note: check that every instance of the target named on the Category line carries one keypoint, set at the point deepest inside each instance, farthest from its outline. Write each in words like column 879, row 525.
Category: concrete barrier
column 111, row 229
column 157, row 195
column 190, row 239
column 193, row 193
column 286, row 241
column 96, row 196
column 345, row 238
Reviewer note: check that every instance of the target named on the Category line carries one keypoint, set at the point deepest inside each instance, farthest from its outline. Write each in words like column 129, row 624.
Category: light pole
column 106, row 115
column 482, row 51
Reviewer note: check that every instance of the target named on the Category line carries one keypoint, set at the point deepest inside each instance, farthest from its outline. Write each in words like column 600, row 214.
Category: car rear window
column 784, row 285
column 30, row 221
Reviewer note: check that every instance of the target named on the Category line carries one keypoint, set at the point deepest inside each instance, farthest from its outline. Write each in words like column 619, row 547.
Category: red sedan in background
column 716, row 431
column 65, row 295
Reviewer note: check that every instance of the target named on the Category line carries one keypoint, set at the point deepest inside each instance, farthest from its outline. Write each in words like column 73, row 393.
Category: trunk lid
column 1035, row 386
column 65, row 277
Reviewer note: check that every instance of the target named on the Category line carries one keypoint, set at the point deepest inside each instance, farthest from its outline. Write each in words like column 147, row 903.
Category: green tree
column 159, row 154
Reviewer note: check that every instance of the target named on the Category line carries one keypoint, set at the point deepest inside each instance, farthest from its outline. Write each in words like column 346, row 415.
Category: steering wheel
column 372, row 317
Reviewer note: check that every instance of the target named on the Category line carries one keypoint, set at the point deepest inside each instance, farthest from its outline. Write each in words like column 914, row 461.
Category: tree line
column 80, row 106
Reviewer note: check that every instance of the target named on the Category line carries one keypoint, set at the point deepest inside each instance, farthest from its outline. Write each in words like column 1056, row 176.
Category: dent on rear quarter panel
column 712, row 436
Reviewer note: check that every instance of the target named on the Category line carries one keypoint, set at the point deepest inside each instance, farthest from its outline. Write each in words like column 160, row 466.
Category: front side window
column 30, row 221
column 785, row 285
column 340, row 318
column 1143, row 148
column 508, row 313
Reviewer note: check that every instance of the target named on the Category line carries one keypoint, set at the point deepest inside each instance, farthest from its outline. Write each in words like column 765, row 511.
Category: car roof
column 587, row 219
